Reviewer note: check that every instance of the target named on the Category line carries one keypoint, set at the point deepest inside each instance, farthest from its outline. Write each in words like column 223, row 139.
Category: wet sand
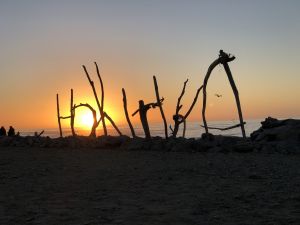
column 88, row 186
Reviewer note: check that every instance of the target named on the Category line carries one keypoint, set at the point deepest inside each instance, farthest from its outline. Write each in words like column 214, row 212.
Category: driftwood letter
column 224, row 59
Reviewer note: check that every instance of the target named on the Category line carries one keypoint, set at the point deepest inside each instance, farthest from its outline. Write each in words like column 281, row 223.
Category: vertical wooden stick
column 126, row 113
column 58, row 115
column 160, row 107
column 184, row 128
column 102, row 100
column 236, row 95
column 72, row 114
column 95, row 124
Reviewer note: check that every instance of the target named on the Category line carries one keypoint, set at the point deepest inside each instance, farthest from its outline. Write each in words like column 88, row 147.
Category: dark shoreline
column 274, row 136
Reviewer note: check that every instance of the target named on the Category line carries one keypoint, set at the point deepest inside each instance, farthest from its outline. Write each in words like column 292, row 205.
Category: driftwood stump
column 142, row 110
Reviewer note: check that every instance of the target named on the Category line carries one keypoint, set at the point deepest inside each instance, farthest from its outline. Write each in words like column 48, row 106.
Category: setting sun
column 84, row 119
column 87, row 119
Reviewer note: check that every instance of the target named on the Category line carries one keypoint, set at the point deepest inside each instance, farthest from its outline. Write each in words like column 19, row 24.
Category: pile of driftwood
column 178, row 118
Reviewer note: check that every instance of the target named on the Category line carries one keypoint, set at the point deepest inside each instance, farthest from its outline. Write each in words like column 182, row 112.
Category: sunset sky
column 45, row 43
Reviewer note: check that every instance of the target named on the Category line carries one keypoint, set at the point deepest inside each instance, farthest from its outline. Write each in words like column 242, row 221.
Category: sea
column 193, row 129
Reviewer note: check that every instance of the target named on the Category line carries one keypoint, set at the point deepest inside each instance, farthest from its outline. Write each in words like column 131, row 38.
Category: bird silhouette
column 218, row 95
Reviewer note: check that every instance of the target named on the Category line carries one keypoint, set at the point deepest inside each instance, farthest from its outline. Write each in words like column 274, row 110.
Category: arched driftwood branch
column 94, row 126
column 126, row 113
column 178, row 118
column 160, row 106
column 224, row 58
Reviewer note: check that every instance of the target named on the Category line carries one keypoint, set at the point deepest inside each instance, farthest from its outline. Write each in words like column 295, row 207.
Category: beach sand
column 89, row 186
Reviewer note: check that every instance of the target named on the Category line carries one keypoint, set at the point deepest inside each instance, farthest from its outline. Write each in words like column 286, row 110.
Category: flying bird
column 218, row 95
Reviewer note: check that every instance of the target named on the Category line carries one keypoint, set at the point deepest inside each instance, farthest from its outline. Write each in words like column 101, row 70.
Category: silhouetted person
column 11, row 131
column 2, row 131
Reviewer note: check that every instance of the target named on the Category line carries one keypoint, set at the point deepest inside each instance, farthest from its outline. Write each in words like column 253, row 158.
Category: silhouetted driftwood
column 225, row 128
column 102, row 99
column 178, row 118
column 143, row 109
column 126, row 113
column 95, row 123
column 103, row 114
column 97, row 99
column 37, row 135
column 112, row 123
column 58, row 115
column 184, row 128
column 224, row 58
column 160, row 107
column 72, row 114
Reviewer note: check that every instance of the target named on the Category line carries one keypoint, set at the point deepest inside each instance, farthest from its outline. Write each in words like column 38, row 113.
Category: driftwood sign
column 178, row 118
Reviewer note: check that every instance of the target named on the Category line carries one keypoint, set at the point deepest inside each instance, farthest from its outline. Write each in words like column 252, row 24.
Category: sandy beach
column 90, row 186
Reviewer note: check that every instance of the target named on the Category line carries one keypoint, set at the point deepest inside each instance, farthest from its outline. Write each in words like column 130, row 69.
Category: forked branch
column 178, row 118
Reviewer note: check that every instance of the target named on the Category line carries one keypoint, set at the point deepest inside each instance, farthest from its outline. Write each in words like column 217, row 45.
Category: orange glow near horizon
column 84, row 120
column 43, row 55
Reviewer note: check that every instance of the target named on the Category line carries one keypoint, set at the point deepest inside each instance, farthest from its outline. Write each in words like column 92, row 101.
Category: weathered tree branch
column 72, row 114
column 112, row 123
column 178, row 106
column 65, row 117
column 224, row 58
column 94, row 126
column 143, row 109
column 126, row 113
column 210, row 69
column 38, row 135
column 226, row 128
column 97, row 100
column 102, row 99
column 160, row 106
column 235, row 91
column 184, row 128
column 193, row 104
column 178, row 118
column 58, row 115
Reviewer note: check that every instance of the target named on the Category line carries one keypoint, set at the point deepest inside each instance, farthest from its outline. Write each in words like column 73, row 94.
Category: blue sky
column 44, row 43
